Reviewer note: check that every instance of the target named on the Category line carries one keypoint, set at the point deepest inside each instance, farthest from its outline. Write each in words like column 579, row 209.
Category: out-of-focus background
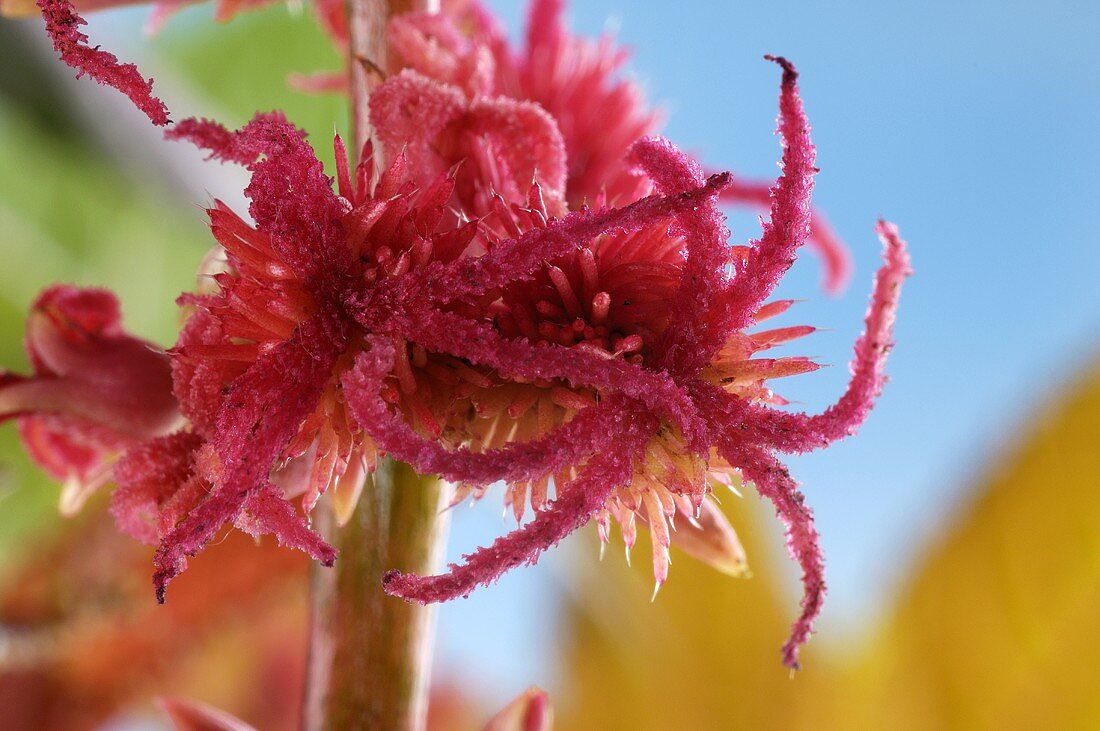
column 960, row 526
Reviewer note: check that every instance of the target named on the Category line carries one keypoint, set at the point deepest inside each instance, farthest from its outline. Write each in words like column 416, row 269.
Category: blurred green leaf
column 68, row 214
column 242, row 67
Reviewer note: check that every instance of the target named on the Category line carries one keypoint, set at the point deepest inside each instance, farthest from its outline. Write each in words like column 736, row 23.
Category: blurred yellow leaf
column 1000, row 627
column 997, row 628
column 704, row 655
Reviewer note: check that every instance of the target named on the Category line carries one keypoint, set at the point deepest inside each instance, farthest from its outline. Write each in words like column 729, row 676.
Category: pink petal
column 526, row 137
column 189, row 715
column 431, row 44
column 88, row 367
column 96, row 389
column 266, row 512
column 149, row 476
column 600, row 110
column 545, row 25
column 226, row 10
column 260, row 414
column 73, row 451
column 324, row 82
column 162, row 11
column 710, row 538
column 333, row 17
column 410, row 113
column 501, row 143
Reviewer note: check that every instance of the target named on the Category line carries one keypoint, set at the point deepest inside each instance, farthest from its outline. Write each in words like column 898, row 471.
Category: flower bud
column 95, row 391
column 531, row 711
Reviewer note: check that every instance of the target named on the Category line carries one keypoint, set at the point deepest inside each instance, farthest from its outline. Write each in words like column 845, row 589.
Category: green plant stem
column 370, row 653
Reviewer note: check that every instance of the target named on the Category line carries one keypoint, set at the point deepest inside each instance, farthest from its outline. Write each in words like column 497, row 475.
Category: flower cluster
column 532, row 289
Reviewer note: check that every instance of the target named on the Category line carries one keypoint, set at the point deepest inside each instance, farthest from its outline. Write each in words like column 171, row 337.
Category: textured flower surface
column 578, row 82
column 518, row 295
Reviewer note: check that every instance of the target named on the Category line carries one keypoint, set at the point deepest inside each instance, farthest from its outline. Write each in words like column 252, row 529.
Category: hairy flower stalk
column 511, row 280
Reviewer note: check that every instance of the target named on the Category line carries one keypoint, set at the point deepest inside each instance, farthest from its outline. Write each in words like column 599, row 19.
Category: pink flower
column 579, row 83
column 95, row 391
column 677, row 400
column 457, row 299
column 321, row 278
column 188, row 715
column 575, row 80
column 497, row 146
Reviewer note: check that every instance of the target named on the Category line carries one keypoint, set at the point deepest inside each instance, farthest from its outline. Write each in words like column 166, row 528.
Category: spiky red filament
column 63, row 26
column 576, row 504
column 774, row 482
column 835, row 255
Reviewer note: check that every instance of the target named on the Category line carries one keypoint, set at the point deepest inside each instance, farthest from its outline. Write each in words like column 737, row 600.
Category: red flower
column 376, row 318
column 667, row 394
column 334, row 274
column 95, row 391
column 579, row 82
